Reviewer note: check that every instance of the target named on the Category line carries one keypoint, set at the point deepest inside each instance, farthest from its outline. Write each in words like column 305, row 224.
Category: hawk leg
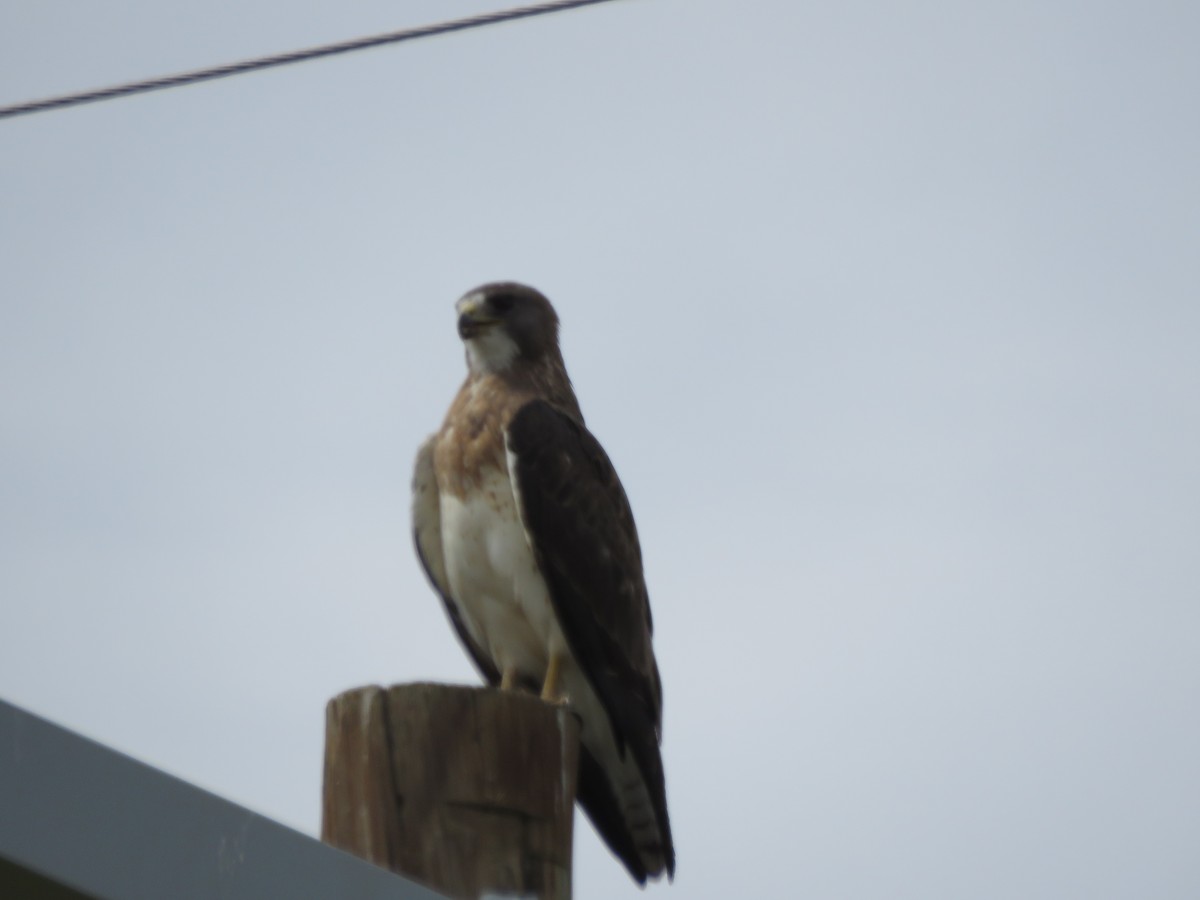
column 508, row 680
column 550, row 691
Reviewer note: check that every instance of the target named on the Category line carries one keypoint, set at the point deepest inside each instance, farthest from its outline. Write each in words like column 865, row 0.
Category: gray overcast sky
column 887, row 313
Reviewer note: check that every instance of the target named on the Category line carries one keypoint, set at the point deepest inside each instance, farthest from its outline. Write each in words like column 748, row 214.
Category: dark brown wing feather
column 583, row 535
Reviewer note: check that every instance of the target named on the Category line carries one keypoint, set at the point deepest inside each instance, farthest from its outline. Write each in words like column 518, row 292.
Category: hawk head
column 506, row 322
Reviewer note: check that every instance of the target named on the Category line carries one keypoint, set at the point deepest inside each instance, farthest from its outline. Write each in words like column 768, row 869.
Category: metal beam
column 80, row 820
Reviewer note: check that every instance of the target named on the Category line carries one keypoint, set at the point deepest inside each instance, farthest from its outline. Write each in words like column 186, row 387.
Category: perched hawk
column 526, row 533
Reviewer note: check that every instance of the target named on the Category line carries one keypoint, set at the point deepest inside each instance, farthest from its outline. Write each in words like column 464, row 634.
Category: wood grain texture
column 469, row 790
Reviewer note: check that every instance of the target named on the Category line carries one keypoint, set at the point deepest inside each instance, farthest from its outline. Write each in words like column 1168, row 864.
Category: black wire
column 282, row 59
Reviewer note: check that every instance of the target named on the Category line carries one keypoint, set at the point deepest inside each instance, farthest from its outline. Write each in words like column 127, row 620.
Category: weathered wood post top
column 469, row 790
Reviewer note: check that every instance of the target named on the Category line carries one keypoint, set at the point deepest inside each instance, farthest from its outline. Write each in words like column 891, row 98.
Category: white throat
column 493, row 350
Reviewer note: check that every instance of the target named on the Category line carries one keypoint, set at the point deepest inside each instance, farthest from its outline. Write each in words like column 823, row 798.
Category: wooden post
column 469, row 790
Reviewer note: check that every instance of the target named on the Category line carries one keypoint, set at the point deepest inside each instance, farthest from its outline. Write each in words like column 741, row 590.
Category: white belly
column 495, row 580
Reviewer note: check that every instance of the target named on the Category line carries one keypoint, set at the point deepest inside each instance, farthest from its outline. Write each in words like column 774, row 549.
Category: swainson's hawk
column 524, row 529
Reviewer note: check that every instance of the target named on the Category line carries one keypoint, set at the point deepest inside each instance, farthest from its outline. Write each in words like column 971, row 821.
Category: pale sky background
column 888, row 314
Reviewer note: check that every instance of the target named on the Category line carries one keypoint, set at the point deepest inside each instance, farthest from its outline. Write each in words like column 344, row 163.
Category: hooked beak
column 473, row 316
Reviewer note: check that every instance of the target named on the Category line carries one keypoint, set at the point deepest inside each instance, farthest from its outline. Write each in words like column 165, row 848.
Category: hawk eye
column 501, row 303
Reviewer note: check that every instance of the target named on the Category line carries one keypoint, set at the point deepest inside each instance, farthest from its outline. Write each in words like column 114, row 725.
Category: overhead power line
column 283, row 59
